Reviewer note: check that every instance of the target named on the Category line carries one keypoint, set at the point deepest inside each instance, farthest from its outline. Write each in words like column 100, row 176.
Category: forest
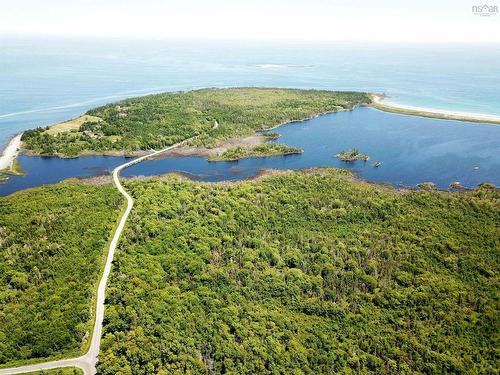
column 53, row 242
column 158, row 121
column 308, row 272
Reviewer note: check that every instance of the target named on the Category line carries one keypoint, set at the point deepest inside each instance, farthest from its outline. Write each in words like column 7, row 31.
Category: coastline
column 7, row 159
column 10, row 153
column 378, row 102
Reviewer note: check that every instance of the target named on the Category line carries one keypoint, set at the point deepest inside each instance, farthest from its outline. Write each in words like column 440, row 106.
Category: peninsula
column 135, row 126
column 9, row 154
column 379, row 102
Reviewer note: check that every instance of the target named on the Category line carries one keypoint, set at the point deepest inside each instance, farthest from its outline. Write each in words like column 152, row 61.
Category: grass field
column 73, row 124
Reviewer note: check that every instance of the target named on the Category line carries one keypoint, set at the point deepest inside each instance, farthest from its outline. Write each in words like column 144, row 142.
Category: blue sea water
column 44, row 81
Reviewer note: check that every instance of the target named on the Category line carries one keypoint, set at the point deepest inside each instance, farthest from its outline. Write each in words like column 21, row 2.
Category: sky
column 419, row 21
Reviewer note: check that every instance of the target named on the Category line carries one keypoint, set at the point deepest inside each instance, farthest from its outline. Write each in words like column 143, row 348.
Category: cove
column 411, row 149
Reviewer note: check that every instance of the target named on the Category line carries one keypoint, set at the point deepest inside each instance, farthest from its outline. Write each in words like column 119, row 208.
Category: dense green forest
column 157, row 121
column 264, row 149
column 304, row 273
column 52, row 243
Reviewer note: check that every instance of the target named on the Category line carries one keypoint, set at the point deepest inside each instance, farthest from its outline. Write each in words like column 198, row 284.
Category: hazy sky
column 368, row 20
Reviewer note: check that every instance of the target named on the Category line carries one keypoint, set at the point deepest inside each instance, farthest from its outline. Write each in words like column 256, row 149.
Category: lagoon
column 411, row 149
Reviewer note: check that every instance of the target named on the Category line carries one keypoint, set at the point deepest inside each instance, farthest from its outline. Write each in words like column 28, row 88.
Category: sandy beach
column 379, row 101
column 10, row 153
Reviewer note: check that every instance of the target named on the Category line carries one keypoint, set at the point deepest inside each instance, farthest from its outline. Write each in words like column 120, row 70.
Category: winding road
column 88, row 361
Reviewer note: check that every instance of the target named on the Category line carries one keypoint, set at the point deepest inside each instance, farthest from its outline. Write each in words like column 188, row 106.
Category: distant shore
column 10, row 153
column 380, row 103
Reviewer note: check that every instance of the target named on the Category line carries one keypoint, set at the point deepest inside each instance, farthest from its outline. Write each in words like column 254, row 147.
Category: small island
column 427, row 186
column 456, row 185
column 352, row 155
column 264, row 149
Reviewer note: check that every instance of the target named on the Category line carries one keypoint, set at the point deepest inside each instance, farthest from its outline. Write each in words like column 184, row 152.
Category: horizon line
column 242, row 39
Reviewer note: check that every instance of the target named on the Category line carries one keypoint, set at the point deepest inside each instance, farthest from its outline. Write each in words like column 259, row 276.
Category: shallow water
column 411, row 150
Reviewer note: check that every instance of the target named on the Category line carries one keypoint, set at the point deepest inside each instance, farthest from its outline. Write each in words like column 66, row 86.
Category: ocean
column 46, row 80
